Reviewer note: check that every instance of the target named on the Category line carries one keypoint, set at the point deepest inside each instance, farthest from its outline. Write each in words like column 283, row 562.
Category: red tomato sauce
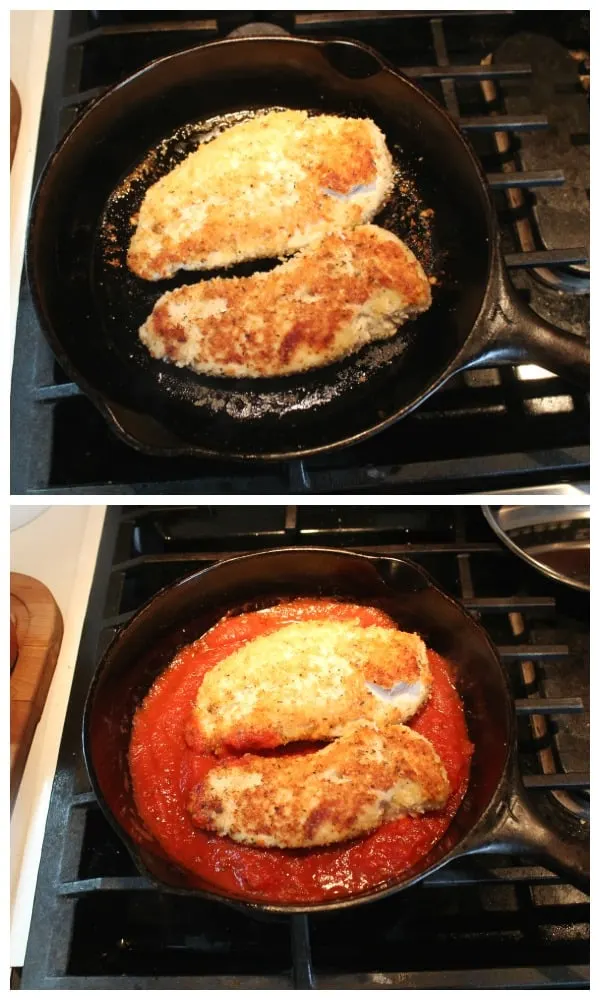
column 164, row 770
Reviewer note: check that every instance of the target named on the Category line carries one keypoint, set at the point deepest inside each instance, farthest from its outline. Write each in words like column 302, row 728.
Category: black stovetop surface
column 488, row 429
column 488, row 922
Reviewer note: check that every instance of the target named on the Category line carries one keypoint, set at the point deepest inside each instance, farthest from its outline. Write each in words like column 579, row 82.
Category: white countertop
column 59, row 548
column 30, row 33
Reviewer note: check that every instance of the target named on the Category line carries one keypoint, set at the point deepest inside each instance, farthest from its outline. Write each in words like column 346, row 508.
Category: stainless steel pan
column 553, row 539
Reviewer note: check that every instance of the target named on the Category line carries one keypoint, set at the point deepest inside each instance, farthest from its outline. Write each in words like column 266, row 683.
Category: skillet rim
column 462, row 848
column 111, row 409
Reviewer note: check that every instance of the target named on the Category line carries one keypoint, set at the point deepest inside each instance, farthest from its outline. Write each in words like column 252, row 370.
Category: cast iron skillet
column 495, row 814
column 90, row 306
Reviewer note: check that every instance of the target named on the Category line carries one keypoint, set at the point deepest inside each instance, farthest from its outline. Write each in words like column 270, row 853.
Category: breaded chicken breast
column 262, row 188
column 308, row 681
column 352, row 288
column 348, row 788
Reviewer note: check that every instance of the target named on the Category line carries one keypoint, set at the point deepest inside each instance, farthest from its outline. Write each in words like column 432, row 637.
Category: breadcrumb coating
column 262, row 188
column 351, row 288
column 348, row 788
column 308, row 681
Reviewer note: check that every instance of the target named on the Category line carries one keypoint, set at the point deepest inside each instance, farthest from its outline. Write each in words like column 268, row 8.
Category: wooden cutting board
column 39, row 628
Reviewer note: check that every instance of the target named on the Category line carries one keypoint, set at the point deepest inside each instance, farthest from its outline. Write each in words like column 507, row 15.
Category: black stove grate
column 488, row 429
column 480, row 923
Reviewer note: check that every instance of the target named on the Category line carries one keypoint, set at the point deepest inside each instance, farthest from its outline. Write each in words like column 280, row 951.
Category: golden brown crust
column 329, row 300
column 308, row 681
column 348, row 788
column 263, row 188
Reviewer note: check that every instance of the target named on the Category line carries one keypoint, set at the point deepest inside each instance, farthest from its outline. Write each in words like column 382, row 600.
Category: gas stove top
column 489, row 922
column 518, row 86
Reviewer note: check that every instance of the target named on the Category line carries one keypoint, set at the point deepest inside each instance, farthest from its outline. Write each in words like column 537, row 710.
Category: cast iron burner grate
column 488, row 429
column 481, row 923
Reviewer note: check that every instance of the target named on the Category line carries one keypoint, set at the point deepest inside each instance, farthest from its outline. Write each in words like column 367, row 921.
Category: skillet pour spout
column 494, row 814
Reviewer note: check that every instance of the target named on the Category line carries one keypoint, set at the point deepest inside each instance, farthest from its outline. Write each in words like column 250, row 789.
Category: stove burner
column 558, row 214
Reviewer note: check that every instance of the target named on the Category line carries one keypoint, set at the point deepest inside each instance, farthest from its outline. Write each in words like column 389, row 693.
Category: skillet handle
column 557, row 350
column 509, row 332
column 522, row 831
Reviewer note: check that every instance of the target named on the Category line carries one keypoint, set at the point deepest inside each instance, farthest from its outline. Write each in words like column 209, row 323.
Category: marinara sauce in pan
column 164, row 770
